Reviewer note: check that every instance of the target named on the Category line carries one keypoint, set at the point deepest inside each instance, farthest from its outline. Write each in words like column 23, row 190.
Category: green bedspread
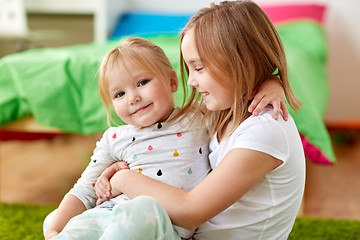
column 58, row 86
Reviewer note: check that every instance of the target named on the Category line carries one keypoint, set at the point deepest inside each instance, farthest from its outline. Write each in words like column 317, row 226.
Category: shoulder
column 115, row 134
column 264, row 124
column 119, row 130
column 265, row 134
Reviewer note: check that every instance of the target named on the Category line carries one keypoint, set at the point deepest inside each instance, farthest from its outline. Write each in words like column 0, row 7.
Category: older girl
column 256, row 186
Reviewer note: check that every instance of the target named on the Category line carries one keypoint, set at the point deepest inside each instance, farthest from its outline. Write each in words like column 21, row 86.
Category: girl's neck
column 224, row 131
column 228, row 128
column 166, row 118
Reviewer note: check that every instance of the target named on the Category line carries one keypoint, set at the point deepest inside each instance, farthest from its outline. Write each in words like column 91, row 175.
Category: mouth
column 204, row 94
column 139, row 110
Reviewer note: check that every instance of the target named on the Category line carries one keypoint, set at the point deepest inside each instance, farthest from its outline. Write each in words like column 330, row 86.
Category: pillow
column 132, row 23
column 135, row 22
column 73, row 91
column 300, row 28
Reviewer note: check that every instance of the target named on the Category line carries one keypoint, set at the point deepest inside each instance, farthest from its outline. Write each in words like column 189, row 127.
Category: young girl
column 256, row 186
column 138, row 82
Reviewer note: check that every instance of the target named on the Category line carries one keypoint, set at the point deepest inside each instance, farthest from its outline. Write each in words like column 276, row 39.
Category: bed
column 57, row 87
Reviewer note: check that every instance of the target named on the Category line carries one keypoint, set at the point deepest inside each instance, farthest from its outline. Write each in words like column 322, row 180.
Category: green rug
column 19, row 221
column 327, row 229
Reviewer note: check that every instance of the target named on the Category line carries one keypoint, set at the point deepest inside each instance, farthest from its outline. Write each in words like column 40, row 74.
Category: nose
column 191, row 81
column 134, row 98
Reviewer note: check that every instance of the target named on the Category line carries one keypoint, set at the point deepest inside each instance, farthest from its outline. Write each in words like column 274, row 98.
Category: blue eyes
column 120, row 94
column 140, row 84
column 143, row 82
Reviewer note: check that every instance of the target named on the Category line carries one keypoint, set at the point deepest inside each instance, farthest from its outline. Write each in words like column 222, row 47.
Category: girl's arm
column 102, row 185
column 237, row 173
column 69, row 207
column 270, row 92
column 82, row 195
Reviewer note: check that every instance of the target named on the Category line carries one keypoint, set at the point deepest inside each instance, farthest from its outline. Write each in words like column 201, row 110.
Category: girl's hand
column 270, row 92
column 102, row 186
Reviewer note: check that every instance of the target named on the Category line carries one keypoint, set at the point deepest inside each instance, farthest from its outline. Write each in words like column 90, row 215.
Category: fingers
column 260, row 102
column 100, row 201
column 254, row 101
column 285, row 110
column 280, row 108
column 259, row 108
column 112, row 169
column 122, row 165
column 269, row 92
column 257, row 105
column 101, row 198
column 276, row 107
column 254, row 105
column 101, row 184
column 103, row 188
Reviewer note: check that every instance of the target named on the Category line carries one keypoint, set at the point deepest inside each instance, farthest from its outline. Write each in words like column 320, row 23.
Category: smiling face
column 140, row 98
column 216, row 96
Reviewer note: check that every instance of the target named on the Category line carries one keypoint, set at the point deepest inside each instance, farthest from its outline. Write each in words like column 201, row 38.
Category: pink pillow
column 285, row 13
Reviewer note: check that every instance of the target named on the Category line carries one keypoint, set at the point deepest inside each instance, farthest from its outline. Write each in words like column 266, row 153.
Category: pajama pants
column 140, row 218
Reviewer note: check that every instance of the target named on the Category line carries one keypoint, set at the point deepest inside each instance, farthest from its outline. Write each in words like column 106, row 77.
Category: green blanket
column 58, row 86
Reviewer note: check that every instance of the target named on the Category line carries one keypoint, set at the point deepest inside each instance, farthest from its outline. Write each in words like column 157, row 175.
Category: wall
column 344, row 59
column 69, row 30
column 341, row 23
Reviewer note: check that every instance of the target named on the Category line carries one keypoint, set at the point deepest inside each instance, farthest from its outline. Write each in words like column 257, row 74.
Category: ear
column 173, row 81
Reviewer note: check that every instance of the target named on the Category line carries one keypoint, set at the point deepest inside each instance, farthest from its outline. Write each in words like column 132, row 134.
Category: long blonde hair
column 143, row 52
column 236, row 42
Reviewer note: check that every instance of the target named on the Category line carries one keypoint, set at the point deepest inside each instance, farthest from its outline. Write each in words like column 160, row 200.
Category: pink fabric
column 314, row 153
column 284, row 13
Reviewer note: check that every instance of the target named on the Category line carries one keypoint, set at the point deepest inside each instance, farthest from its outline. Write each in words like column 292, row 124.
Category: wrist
column 117, row 181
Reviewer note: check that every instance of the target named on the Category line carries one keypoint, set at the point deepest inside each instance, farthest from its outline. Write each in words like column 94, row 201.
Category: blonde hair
column 140, row 51
column 239, row 47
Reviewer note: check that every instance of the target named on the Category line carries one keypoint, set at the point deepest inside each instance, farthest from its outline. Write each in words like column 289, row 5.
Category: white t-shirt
column 269, row 209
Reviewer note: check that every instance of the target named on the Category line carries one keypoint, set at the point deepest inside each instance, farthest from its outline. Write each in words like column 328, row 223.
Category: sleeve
column 99, row 161
column 264, row 134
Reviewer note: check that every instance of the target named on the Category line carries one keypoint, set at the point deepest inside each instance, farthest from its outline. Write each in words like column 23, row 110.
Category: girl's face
column 215, row 95
column 138, row 97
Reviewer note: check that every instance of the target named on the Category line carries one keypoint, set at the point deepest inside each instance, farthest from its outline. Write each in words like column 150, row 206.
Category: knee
column 48, row 220
column 141, row 205
column 147, row 202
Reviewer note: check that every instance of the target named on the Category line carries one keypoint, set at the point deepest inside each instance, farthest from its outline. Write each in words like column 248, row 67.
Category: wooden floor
column 42, row 171
column 334, row 191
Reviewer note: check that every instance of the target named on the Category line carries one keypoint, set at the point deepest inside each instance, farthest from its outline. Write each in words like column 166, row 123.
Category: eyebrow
column 194, row 60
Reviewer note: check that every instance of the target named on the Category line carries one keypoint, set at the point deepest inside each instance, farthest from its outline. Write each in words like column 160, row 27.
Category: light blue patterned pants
column 140, row 218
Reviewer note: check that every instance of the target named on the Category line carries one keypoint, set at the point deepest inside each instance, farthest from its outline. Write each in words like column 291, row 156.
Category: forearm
column 171, row 198
column 69, row 207
column 237, row 173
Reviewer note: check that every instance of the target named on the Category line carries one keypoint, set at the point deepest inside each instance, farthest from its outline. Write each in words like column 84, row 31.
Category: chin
column 211, row 107
column 147, row 123
column 215, row 108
